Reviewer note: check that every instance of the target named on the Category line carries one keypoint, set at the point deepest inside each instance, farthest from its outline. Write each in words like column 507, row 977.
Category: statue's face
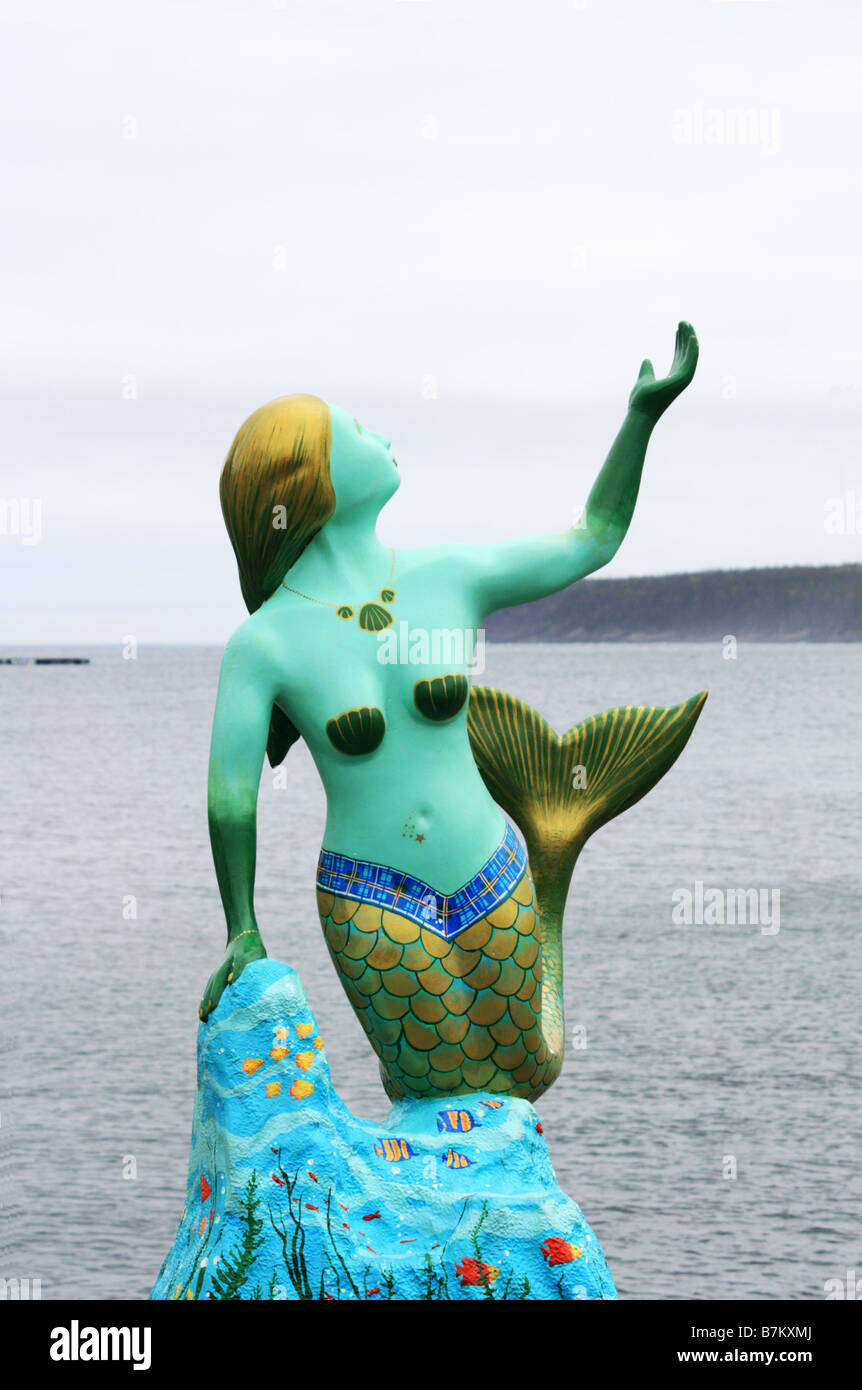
column 361, row 465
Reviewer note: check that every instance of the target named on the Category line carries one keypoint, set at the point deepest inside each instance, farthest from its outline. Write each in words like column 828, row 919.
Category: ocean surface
column 708, row 1119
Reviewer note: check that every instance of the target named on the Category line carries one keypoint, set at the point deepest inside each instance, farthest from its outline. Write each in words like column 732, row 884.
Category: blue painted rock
column 290, row 1196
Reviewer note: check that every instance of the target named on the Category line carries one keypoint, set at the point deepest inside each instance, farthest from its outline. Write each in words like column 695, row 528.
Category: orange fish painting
column 473, row 1272
column 278, row 1053
column 304, row 1060
column 301, row 1089
column 559, row 1252
column 251, row 1064
column 273, row 1089
column 205, row 1188
column 303, row 1030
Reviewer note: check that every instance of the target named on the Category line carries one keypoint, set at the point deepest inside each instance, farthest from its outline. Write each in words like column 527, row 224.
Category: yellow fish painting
column 304, row 1060
column 280, row 1034
column 300, row 1089
column 456, row 1121
column 394, row 1150
column 304, row 1029
column 273, row 1089
column 278, row 1053
column 456, row 1160
column 251, row 1064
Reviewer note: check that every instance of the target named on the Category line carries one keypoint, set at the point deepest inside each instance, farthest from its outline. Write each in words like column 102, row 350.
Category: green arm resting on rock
column 240, row 727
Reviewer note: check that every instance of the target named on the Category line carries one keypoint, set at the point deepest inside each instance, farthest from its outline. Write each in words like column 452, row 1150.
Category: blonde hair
column 276, row 493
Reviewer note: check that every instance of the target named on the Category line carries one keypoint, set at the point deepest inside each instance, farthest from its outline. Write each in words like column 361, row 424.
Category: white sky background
column 466, row 222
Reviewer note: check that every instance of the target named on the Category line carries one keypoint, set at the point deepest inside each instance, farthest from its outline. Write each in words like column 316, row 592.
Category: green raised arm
column 521, row 571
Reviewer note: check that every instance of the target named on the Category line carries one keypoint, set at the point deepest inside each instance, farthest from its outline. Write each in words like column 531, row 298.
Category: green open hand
column 241, row 951
column 653, row 395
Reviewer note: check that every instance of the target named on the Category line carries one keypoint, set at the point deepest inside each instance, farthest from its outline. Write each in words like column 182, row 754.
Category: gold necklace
column 372, row 617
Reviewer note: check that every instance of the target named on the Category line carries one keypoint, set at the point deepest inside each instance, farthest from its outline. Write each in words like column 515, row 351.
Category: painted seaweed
column 233, row 1271
column 294, row 1258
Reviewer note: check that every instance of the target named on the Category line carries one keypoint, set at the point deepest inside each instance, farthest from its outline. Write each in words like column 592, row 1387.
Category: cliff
column 792, row 604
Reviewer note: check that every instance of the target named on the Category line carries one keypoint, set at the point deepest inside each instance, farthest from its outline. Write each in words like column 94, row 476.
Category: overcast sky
column 464, row 221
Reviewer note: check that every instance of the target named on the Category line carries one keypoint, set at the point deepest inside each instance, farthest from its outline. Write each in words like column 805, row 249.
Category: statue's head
column 294, row 464
column 363, row 472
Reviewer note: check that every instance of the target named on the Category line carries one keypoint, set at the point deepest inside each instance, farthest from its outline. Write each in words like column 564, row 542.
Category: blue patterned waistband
column 444, row 914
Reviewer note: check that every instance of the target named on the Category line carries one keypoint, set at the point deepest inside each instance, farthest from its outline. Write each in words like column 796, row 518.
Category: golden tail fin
column 559, row 790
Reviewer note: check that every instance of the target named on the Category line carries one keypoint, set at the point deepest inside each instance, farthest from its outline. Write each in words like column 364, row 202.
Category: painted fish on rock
column 456, row 1121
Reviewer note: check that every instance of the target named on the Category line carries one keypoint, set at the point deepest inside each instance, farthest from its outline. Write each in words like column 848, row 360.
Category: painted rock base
column 290, row 1196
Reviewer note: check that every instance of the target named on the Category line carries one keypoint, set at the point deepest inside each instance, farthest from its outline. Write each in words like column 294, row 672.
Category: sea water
column 708, row 1119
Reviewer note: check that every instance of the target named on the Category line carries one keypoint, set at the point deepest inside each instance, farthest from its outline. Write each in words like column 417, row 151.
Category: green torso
column 416, row 802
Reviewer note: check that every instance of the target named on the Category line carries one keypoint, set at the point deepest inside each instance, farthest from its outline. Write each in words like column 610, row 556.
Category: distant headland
column 44, row 661
column 816, row 603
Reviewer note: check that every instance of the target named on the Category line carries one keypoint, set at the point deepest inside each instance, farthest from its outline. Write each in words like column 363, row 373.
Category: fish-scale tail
column 559, row 790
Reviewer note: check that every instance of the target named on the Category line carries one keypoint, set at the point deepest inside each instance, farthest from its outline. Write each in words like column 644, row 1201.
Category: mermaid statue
column 443, row 922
